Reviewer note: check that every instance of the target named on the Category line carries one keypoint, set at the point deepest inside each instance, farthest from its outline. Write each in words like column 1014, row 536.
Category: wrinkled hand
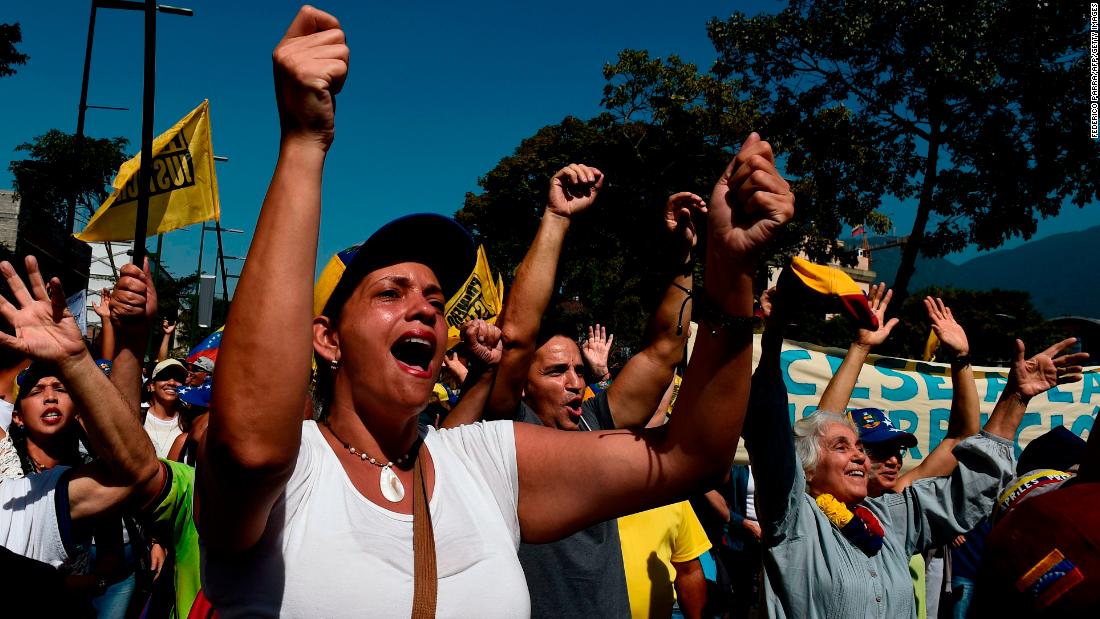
column 573, row 189
column 103, row 308
column 596, row 350
column 680, row 211
column 311, row 64
column 879, row 300
column 483, row 341
column 753, row 527
column 749, row 203
column 44, row 328
column 134, row 299
column 945, row 327
column 1040, row 373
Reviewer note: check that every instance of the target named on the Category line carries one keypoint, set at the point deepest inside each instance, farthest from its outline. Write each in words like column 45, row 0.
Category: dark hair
column 19, row 434
column 553, row 325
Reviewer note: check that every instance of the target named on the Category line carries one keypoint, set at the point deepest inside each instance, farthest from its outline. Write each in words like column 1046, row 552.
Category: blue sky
column 438, row 93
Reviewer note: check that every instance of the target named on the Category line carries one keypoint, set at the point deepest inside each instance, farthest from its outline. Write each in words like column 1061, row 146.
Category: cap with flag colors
column 480, row 295
column 859, row 230
column 838, row 291
column 183, row 187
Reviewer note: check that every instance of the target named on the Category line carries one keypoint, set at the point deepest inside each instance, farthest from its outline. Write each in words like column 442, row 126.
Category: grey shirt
column 811, row 570
column 581, row 575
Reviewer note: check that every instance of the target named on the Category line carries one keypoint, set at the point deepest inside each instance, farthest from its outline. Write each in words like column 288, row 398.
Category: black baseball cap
column 438, row 242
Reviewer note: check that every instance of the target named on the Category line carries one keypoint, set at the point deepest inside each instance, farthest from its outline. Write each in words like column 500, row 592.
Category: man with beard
column 541, row 380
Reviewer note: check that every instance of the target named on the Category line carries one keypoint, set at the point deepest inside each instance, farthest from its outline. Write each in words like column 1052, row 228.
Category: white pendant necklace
column 388, row 483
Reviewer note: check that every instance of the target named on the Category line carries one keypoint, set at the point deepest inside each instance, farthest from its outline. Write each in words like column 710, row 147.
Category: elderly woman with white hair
column 829, row 551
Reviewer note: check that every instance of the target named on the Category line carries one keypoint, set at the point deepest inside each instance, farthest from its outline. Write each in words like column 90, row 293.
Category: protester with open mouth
column 830, row 550
column 333, row 518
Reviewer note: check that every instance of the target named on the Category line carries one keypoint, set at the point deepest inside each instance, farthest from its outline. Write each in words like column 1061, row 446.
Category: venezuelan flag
column 208, row 347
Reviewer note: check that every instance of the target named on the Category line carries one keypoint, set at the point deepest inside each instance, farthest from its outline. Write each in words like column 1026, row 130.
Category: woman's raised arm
column 255, row 429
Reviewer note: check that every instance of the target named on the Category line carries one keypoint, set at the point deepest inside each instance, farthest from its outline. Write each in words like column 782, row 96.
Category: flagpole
column 145, row 170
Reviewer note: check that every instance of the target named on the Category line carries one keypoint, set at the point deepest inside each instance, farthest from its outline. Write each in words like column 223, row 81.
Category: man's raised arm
column 636, row 392
column 572, row 190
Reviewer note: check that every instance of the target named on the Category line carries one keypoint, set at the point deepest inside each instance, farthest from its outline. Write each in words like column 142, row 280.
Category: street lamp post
column 78, row 138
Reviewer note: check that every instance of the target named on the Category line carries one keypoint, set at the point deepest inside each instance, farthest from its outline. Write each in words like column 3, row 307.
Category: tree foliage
column 977, row 113
column 10, row 34
column 55, row 172
column 613, row 265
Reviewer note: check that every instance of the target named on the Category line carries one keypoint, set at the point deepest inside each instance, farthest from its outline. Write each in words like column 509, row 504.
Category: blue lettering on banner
column 994, row 385
column 809, row 410
column 984, row 419
column 790, row 411
column 1090, row 386
column 908, row 388
column 1029, row 419
column 858, row 393
column 786, row 358
column 930, row 375
column 907, row 421
column 1056, row 420
column 1083, row 423
column 1054, row 395
column 939, row 418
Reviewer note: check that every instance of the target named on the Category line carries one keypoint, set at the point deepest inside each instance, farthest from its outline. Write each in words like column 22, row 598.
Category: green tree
column 976, row 113
column 54, row 173
column 10, row 34
column 613, row 265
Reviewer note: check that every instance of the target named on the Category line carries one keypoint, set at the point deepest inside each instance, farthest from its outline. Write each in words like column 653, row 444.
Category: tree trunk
column 908, row 264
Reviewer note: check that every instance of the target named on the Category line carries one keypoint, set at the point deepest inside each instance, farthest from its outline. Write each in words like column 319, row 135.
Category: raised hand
column 168, row 328
column 483, row 341
column 770, row 306
column 1038, row 374
column 134, row 299
column 311, row 64
column 44, row 328
column 749, row 203
column 573, row 189
column 103, row 308
column 945, row 327
column 679, row 216
column 879, row 300
column 596, row 349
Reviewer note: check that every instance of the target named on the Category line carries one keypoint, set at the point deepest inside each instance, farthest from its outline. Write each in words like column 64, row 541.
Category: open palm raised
column 44, row 328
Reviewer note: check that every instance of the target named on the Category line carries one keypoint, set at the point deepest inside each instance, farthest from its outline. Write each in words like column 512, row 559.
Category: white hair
column 808, row 433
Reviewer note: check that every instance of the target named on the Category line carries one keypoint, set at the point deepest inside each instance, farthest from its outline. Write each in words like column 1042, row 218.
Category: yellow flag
column 931, row 346
column 183, row 189
column 480, row 297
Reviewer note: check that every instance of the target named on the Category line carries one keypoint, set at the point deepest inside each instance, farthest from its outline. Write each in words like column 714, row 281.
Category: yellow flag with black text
column 183, row 188
column 481, row 296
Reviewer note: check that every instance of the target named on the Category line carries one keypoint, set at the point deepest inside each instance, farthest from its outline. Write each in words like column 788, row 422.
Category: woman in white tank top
column 315, row 519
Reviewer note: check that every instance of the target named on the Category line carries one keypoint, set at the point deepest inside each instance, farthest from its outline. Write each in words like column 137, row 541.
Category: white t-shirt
column 28, row 517
column 162, row 433
column 329, row 552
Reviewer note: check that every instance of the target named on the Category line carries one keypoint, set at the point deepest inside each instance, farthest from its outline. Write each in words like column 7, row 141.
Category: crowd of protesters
column 344, row 463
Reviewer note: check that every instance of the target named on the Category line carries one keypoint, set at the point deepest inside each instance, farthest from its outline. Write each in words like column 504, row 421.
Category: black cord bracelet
column 718, row 320
column 680, row 318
